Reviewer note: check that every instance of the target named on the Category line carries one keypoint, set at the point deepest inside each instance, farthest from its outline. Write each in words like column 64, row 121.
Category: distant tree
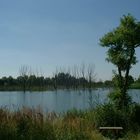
column 30, row 74
column 138, row 80
column 75, row 74
column 108, row 83
column 121, row 43
column 48, row 82
column 55, row 79
column 24, row 71
column 4, row 81
column 32, row 81
column 99, row 83
column 91, row 75
column 83, row 73
column 10, row 81
column 41, row 82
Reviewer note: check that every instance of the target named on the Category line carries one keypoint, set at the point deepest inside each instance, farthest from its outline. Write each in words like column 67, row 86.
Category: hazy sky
column 46, row 34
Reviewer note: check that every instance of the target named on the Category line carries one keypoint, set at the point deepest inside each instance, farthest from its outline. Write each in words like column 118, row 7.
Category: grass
column 29, row 124
column 135, row 86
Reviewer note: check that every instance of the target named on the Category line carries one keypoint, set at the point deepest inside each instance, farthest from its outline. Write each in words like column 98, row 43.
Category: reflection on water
column 59, row 101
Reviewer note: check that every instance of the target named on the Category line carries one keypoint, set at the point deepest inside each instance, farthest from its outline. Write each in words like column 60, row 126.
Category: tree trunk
column 125, row 97
column 127, row 70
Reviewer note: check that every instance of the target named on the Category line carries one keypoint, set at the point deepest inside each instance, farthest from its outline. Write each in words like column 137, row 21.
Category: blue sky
column 46, row 34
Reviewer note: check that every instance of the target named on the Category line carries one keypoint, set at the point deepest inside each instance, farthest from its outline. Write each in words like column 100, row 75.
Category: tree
column 24, row 71
column 115, row 80
column 83, row 70
column 138, row 80
column 91, row 75
column 75, row 74
column 54, row 79
column 108, row 83
column 121, row 43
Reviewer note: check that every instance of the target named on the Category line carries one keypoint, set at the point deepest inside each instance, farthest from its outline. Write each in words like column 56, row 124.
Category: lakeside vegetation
column 59, row 81
column 136, row 84
column 29, row 124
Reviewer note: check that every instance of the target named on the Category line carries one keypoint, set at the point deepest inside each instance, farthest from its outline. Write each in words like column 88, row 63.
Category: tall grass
column 30, row 124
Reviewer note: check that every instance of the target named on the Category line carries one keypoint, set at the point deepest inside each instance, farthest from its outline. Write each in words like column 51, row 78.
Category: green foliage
column 33, row 82
column 135, row 86
column 116, row 80
column 121, row 43
column 135, row 117
column 68, row 133
column 24, row 125
column 131, row 136
column 75, row 113
column 138, row 80
column 119, row 99
column 30, row 124
column 108, row 115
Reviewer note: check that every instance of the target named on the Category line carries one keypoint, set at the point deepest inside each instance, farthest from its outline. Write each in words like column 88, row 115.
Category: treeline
column 33, row 82
column 136, row 83
column 81, row 77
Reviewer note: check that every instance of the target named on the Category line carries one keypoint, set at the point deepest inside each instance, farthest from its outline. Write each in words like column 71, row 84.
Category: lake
column 59, row 101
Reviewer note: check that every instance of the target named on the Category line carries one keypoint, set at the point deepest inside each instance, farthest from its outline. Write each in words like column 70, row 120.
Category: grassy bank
column 28, row 124
column 135, row 86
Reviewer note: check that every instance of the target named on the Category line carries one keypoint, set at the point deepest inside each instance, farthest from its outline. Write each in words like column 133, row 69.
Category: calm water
column 59, row 101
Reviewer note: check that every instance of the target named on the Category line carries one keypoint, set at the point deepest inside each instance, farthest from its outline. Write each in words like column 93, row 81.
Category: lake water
column 58, row 101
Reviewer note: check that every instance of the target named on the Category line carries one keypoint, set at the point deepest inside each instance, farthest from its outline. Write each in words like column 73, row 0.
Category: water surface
column 59, row 101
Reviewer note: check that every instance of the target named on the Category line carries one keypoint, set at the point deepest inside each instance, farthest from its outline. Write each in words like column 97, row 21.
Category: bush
column 108, row 116
column 120, row 100
column 131, row 136
column 135, row 118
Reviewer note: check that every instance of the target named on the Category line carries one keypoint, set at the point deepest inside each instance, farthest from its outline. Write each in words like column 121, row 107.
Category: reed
column 30, row 124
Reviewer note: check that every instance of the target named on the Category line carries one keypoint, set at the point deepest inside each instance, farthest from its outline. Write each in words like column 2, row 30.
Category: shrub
column 135, row 118
column 131, row 136
column 108, row 116
column 120, row 100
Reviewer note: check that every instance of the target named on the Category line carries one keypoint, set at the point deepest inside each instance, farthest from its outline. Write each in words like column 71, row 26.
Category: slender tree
column 83, row 71
column 75, row 74
column 55, row 79
column 91, row 75
column 121, row 43
column 24, row 71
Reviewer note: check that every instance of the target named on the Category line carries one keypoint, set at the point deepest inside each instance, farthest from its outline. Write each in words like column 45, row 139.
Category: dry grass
column 32, row 124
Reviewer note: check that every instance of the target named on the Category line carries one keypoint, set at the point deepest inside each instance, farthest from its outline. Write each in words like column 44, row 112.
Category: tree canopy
column 121, row 44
